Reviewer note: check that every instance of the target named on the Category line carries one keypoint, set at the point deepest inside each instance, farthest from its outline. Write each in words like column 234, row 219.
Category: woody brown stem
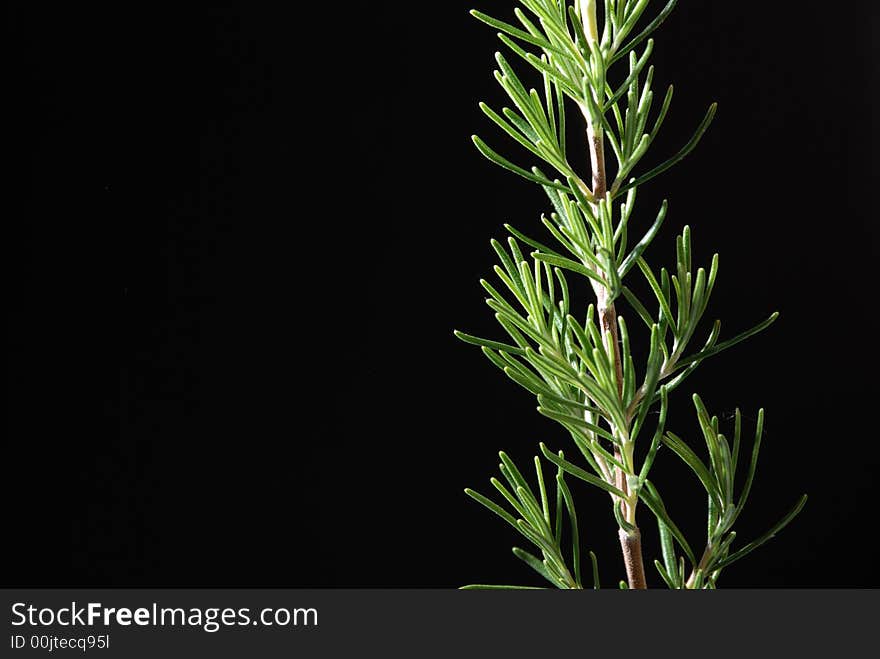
column 630, row 541
column 597, row 161
column 631, row 545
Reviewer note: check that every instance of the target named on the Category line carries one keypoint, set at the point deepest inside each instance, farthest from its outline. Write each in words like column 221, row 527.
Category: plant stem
column 631, row 545
column 630, row 541
column 597, row 158
column 608, row 325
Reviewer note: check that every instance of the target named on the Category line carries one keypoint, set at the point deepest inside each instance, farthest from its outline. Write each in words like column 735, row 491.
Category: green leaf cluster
column 540, row 522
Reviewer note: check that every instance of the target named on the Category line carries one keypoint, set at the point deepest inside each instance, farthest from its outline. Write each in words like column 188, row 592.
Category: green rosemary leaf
column 632, row 13
column 560, row 109
column 664, row 110
column 531, row 384
column 737, row 433
column 510, row 130
column 524, row 103
column 577, row 23
column 664, row 574
column 661, row 295
column 603, row 397
column 572, row 516
column 549, row 86
column 652, row 499
column 683, row 451
column 535, row 306
column 515, row 32
column 512, row 500
column 634, row 74
column 558, row 77
column 542, row 488
column 574, row 234
column 713, row 443
column 496, row 296
column 684, row 251
column 568, row 264
column 637, row 306
column 713, row 273
column 657, row 439
column 556, row 198
column 653, row 25
column 595, row 564
column 494, row 358
column 629, row 375
column 510, row 266
column 557, row 32
column 577, row 472
column 506, row 164
column 535, row 516
column 529, row 25
column 584, row 199
column 530, row 242
column 536, row 537
column 678, row 157
column 652, row 376
column 577, row 421
column 776, row 528
column 592, row 449
column 667, row 549
column 577, row 405
column 533, row 562
column 521, row 124
column 477, row 341
column 672, row 384
column 753, row 466
column 624, row 525
column 698, row 302
column 642, row 245
column 491, row 505
column 557, row 530
column 724, row 345
column 518, row 480
column 517, row 336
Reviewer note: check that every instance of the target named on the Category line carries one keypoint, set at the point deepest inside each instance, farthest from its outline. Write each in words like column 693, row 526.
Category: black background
column 237, row 240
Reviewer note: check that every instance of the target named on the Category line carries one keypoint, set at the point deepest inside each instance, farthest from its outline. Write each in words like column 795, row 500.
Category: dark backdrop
column 236, row 242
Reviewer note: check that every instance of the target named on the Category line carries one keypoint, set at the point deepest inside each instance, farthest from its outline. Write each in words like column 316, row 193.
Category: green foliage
column 578, row 362
column 541, row 523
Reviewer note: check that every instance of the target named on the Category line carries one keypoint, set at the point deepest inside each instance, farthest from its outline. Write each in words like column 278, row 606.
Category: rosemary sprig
column 578, row 361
